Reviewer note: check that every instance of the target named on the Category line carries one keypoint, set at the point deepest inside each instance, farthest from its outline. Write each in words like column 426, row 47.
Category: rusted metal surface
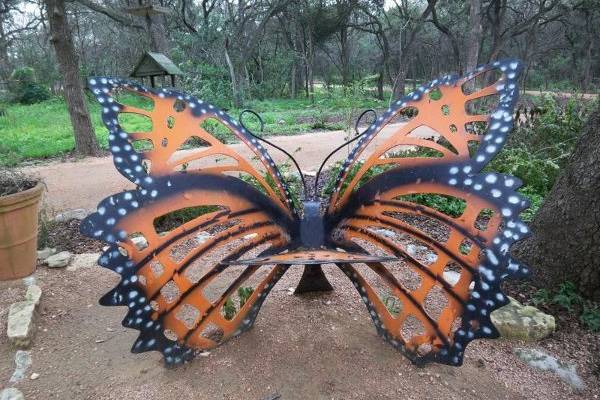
column 250, row 232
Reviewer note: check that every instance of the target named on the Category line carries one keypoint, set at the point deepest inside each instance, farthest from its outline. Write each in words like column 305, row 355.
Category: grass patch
column 44, row 130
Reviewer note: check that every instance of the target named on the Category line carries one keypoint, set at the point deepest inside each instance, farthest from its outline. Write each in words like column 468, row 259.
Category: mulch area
column 65, row 236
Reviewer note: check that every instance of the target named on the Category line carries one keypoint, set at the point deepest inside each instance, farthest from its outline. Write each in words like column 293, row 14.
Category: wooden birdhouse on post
column 153, row 65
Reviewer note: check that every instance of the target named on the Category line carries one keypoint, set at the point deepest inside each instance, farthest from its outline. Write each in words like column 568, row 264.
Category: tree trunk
column 474, row 38
column 589, row 52
column 380, row 81
column 400, row 82
column 344, row 57
column 565, row 245
column 237, row 97
column 309, row 71
column 86, row 143
column 293, row 81
column 155, row 25
column 5, row 64
column 313, row 280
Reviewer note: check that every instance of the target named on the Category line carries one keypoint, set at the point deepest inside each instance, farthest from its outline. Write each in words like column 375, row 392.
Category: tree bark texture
column 86, row 143
column 155, row 25
column 565, row 245
column 474, row 38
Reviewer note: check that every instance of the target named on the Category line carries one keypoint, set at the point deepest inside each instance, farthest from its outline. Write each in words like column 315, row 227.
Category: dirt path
column 314, row 347
column 83, row 183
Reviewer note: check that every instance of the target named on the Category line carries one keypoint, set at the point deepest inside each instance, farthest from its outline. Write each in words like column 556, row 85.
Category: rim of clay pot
column 21, row 199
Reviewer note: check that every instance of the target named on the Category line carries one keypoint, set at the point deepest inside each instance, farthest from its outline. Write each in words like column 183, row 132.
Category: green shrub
column 207, row 82
column 537, row 154
column 230, row 308
column 24, row 87
column 290, row 177
column 179, row 217
column 590, row 317
column 568, row 297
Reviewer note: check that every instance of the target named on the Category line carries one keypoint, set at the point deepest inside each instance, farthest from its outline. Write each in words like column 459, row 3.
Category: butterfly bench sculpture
column 253, row 230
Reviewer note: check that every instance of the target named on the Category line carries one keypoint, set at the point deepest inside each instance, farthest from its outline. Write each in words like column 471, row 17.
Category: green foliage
column 177, row 218
column 244, row 294
column 542, row 297
column 291, row 178
column 568, row 297
column 34, row 93
column 537, row 154
column 337, row 167
column 392, row 303
column 590, row 317
column 538, row 173
column 448, row 205
column 44, row 129
column 207, row 82
column 24, row 87
column 535, row 202
column 230, row 308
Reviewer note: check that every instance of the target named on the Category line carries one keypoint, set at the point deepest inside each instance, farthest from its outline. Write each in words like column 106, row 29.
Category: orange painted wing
column 421, row 196
column 181, row 294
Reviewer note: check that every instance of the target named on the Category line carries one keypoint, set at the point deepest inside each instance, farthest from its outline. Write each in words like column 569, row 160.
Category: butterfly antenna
column 358, row 135
column 262, row 126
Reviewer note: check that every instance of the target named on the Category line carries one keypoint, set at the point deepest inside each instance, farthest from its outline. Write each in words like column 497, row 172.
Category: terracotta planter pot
column 18, row 232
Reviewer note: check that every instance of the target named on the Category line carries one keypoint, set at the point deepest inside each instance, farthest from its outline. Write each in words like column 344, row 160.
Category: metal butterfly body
column 250, row 230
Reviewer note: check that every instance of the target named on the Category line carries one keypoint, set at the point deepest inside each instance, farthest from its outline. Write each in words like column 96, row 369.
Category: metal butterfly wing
column 177, row 284
column 421, row 196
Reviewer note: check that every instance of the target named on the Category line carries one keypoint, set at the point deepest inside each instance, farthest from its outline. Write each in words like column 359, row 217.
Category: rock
column 83, row 260
column 29, row 280
column 203, row 237
column 385, row 232
column 431, row 258
column 541, row 360
column 139, row 242
column 21, row 324
column 310, row 173
column 34, row 376
column 59, row 260
column 451, row 277
column 33, row 295
column 22, row 363
column 413, row 250
column 77, row 213
column 281, row 122
column 515, row 321
column 11, row 394
column 43, row 254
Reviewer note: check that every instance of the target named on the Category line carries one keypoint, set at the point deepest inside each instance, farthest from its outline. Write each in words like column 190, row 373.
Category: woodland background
column 233, row 51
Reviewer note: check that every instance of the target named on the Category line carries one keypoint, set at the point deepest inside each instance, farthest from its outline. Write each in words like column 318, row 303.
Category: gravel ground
column 320, row 346
column 302, row 347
